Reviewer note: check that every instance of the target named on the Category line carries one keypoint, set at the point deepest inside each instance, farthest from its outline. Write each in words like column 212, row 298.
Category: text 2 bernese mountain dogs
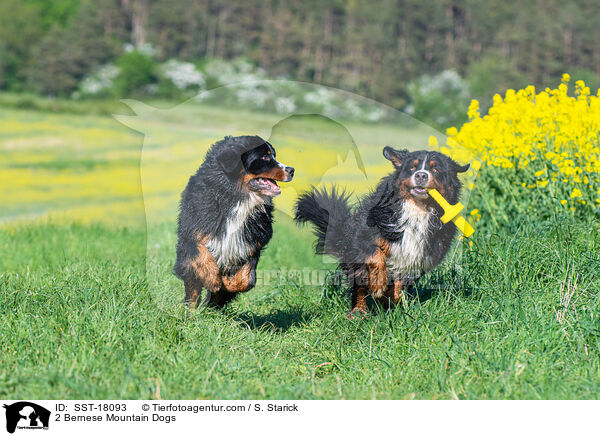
column 394, row 235
column 225, row 218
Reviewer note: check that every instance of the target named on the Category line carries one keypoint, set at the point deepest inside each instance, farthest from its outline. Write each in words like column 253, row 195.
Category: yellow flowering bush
column 539, row 152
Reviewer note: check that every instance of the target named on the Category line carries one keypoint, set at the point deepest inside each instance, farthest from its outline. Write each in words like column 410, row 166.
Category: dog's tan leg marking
column 205, row 267
column 240, row 281
column 359, row 300
column 398, row 291
column 376, row 268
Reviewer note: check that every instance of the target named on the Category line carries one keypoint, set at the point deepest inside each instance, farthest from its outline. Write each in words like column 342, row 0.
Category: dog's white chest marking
column 232, row 246
column 407, row 257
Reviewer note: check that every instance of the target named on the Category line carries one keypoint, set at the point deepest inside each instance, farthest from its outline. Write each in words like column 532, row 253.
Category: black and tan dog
column 394, row 235
column 225, row 218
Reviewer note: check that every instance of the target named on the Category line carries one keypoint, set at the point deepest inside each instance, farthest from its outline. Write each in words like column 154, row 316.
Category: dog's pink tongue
column 274, row 186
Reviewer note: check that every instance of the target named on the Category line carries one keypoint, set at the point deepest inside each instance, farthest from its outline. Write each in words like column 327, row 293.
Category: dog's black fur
column 225, row 218
column 394, row 235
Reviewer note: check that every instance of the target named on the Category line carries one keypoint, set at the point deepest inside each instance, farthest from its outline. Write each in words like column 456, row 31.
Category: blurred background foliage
column 428, row 58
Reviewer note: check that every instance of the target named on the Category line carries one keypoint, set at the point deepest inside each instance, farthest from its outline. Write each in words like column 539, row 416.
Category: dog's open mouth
column 265, row 186
column 419, row 192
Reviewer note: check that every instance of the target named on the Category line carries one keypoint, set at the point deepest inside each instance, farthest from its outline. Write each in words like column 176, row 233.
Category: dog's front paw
column 399, row 291
column 243, row 280
column 378, row 293
column 357, row 312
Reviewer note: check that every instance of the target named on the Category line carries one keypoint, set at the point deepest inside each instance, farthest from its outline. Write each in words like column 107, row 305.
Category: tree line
column 374, row 48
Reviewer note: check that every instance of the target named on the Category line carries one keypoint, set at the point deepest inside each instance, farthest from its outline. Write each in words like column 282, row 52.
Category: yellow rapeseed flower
column 549, row 134
column 451, row 131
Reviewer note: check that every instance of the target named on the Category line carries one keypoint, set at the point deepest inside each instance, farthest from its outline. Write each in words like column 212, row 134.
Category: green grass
column 519, row 321
column 61, row 105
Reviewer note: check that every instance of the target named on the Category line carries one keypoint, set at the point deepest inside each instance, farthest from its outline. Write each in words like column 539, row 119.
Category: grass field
column 515, row 316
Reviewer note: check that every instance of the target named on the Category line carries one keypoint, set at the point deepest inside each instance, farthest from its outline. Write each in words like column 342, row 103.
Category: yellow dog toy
column 452, row 212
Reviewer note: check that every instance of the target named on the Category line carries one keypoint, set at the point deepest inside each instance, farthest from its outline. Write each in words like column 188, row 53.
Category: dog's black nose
column 421, row 178
column 290, row 171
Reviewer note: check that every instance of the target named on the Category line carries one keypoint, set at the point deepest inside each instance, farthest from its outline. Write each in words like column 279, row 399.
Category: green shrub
column 591, row 78
column 491, row 75
column 439, row 99
column 138, row 75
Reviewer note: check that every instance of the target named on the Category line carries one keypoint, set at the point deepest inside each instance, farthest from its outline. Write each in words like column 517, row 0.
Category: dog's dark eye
column 413, row 168
column 266, row 157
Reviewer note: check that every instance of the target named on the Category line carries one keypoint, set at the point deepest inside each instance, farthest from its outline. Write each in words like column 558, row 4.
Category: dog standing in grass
column 225, row 218
column 395, row 234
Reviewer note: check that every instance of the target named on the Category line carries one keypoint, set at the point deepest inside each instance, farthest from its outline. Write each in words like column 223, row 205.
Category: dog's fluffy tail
column 330, row 214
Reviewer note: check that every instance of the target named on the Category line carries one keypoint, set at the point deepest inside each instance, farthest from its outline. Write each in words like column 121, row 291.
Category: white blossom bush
column 184, row 75
column 240, row 84
column 285, row 104
column 376, row 114
column 448, row 82
column 99, row 82
column 252, row 94
column 235, row 71
column 150, row 89
column 333, row 103
column 439, row 99
column 146, row 48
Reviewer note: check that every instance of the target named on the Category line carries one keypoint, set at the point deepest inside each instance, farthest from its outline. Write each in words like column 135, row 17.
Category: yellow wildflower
column 451, row 131
column 557, row 131
column 473, row 111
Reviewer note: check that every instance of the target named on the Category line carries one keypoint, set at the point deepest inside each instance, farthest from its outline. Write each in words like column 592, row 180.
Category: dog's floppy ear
column 395, row 156
column 229, row 161
column 461, row 169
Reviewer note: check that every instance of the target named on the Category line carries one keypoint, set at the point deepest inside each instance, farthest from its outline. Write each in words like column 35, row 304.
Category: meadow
column 90, row 309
